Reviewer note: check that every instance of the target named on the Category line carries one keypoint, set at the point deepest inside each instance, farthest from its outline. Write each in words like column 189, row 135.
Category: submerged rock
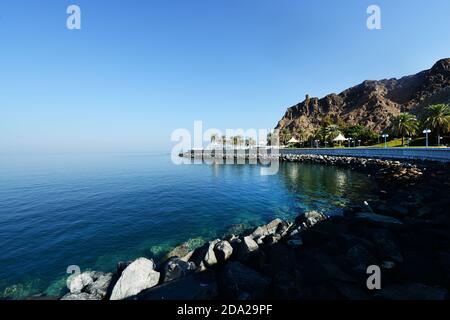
column 138, row 276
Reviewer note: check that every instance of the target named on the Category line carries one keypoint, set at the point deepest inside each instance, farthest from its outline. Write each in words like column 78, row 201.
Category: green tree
column 285, row 136
column 331, row 132
column 405, row 124
column 437, row 118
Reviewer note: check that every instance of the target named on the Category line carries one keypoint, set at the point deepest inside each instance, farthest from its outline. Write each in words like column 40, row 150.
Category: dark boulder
column 358, row 259
column 309, row 219
column 412, row 291
column 198, row 286
column 237, row 281
column 223, row 250
column 244, row 248
column 175, row 268
column 387, row 247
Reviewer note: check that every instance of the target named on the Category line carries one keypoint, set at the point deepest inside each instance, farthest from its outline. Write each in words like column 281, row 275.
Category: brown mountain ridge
column 373, row 103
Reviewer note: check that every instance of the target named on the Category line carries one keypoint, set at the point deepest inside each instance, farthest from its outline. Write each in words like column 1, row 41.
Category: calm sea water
column 94, row 210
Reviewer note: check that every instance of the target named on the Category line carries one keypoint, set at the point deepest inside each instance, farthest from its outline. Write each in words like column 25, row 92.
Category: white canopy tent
column 293, row 140
column 340, row 138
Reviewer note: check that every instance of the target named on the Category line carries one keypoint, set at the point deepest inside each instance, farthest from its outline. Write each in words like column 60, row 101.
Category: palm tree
column 236, row 140
column 214, row 137
column 224, row 140
column 285, row 136
column 269, row 139
column 250, row 141
column 332, row 131
column 438, row 118
column 405, row 124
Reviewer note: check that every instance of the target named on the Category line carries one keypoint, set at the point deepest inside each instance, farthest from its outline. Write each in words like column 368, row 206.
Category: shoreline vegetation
column 316, row 257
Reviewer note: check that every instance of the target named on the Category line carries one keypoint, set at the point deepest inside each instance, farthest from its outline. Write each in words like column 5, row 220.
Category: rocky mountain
column 372, row 103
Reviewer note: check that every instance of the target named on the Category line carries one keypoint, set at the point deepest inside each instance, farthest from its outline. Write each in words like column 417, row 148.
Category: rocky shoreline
column 405, row 233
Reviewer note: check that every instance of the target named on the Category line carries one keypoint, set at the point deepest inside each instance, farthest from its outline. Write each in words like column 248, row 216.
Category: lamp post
column 317, row 143
column 359, row 143
column 427, row 132
column 439, row 141
column 408, row 141
column 385, row 136
column 349, row 142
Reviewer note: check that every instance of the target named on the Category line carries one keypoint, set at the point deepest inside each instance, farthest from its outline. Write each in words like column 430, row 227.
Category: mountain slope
column 372, row 103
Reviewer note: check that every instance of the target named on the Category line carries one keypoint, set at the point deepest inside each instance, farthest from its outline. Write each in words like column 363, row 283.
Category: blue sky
column 137, row 70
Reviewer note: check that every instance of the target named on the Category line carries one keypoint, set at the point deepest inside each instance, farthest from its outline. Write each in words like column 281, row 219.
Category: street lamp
column 408, row 141
column 349, row 142
column 439, row 141
column 317, row 143
column 426, row 132
column 385, row 136
column 359, row 143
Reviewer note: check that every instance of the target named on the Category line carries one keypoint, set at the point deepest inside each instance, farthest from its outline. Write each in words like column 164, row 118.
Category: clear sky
column 137, row 70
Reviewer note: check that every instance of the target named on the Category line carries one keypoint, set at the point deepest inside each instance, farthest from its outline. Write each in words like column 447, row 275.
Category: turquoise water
column 94, row 210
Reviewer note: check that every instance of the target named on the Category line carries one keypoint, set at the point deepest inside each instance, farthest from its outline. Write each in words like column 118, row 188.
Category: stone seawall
column 433, row 154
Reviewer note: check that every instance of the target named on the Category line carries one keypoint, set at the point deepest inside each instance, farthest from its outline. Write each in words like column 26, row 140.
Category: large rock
column 359, row 259
column 378, row 220
column 412, row 291
column 223, row 250
column 205, row 254
column 101, row 284
column 90, row 283
column 77, row 283
column 240, row 282
column 267, row 229
column 318, row 268
column 122, row 265
column 175, row 268
column 242, row 248
column 387, row 246
column 138, row 276
column 309, row 218
column 351, row 291
column 197, row 286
